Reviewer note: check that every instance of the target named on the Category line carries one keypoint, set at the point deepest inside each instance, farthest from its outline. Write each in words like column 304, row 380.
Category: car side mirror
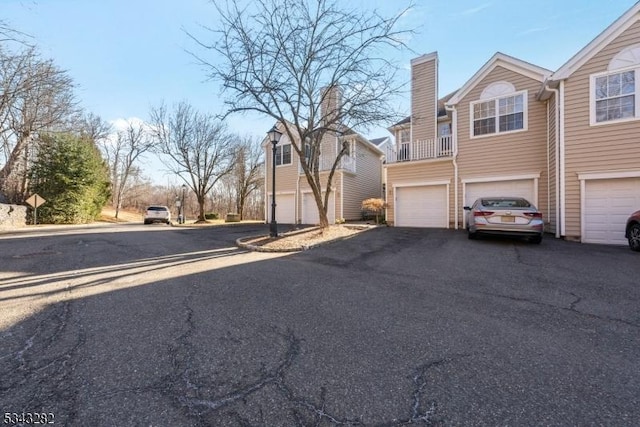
column 467, row 208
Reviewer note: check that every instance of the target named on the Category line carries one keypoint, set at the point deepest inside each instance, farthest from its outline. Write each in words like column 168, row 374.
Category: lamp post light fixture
column 184, row 187
column 274, row 137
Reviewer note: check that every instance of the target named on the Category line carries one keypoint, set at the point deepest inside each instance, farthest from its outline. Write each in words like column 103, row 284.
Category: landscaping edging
column 242, row 241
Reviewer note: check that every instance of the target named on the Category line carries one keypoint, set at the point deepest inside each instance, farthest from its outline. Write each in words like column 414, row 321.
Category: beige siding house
column 419, row 168
column 488, row 138
column 357, row 177
column 597, row 97
column 565, row 140
column 501, row 134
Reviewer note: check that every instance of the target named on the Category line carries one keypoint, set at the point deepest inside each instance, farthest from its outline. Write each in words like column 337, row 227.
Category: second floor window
column 444, row 129
column 405, row 136
column 504, row 114
column 615, row 96
column 283, row 154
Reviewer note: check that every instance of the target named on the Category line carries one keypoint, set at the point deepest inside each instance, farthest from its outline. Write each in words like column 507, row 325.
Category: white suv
column 157, row 214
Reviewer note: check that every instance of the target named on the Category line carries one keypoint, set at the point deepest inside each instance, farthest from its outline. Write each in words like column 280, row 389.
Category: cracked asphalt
column 114, row 325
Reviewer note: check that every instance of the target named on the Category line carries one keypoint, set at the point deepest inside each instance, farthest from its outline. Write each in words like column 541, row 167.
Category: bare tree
column 287, row 59
column 9, row 34
column 36, row 96
column 247, row 172
column 194, row 146
column 121, row 155
column 94, row 127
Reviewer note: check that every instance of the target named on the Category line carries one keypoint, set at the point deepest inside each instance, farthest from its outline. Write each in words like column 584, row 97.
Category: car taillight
column 534, row 214
column 482, row 213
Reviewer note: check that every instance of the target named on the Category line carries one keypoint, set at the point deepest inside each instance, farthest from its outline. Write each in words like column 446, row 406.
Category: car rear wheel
column 470, row 235
column 634, row 237
column 536, row 239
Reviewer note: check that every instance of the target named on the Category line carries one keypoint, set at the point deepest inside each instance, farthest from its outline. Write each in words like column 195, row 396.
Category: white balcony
column 437, row 148
column 325, row 163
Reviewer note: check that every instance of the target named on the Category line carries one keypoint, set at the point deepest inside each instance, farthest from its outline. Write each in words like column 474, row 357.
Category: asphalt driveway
column 133, row 325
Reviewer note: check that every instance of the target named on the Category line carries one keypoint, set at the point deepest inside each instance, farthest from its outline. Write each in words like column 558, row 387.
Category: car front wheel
column 634, row 237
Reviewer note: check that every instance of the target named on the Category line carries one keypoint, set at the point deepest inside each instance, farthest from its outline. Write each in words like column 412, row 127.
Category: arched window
column 500, row 109
column 614, row 92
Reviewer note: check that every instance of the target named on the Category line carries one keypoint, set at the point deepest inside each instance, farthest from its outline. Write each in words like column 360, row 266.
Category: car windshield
column 156, row 208
column 505, row 203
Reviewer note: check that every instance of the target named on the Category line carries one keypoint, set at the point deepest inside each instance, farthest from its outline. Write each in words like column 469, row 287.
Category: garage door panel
column 285, row 209
column 607, row 204
column 512, row 188
column 421, row 206
column 310, row 213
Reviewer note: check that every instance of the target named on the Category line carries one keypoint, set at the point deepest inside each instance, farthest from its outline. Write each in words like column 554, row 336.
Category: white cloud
column 121, row 124
column 475, row 10
column 533, row 30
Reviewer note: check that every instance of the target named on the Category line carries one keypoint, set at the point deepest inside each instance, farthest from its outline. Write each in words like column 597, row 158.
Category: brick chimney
column 424, row 96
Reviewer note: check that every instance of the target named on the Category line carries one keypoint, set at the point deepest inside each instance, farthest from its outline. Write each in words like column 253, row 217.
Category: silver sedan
column 513, row 216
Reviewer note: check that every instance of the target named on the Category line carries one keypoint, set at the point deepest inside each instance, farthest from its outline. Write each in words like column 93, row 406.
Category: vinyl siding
column 364, row 184
column 424, row 100
column 286, row 175
column 515, row 153
column 415, row 172
column 605, row 147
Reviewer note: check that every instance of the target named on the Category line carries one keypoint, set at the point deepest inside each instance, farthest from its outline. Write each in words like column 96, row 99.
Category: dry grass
column 299, row 240
column 109, row 215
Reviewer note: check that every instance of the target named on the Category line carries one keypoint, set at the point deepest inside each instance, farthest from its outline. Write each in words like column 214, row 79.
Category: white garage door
column 310, row 209
column 285, row 209
column 513, row 188
column 607, row 205
column 421, row 206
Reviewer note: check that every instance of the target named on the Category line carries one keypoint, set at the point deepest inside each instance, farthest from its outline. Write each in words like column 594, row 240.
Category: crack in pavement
column 571, row 308
column 573, row 304
column 31, row 381
column 420, row 381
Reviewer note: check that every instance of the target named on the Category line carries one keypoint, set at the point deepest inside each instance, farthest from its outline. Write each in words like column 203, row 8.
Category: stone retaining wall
column 12, row 216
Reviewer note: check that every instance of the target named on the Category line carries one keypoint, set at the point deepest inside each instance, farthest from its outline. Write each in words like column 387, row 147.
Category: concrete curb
column 240, row 242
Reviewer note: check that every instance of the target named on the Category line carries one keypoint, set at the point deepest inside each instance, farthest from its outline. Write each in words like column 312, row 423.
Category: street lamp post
column 184, row 187
column 274, row 137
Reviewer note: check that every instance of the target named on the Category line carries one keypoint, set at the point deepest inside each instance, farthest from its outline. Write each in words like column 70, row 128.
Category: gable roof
column 379, row 141
column 596, row 45
column 348, row 132
column 505, row 61
column 281, row 127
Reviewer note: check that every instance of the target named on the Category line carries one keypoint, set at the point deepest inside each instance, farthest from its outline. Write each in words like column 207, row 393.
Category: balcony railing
column 347, row 163
column 420, row 150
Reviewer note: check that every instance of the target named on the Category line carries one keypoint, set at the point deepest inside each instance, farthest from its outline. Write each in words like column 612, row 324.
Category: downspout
column 341, row 195
column 548, row 165
column 454, row 141
column 558, row 161
column 266, row 186
column 297, row 201
column 563, row 230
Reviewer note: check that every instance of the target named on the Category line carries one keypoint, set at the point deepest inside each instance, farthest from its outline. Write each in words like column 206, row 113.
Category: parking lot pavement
column 166, row 326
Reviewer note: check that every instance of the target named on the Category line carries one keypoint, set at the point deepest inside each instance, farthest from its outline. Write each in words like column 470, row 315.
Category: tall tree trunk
column 201, row 201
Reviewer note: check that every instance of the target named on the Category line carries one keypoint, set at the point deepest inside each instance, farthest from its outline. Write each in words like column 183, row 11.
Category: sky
column 127, row 56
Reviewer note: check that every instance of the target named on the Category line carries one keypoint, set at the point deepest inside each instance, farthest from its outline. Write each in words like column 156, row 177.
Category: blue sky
column 129, row 55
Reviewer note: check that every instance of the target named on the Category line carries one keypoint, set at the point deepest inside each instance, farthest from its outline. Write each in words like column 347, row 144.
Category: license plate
column 508, row 219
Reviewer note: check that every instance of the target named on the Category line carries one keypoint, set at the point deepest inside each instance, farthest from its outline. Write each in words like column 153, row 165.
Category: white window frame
column 592, row 96
column 496, row 100
column 281, row 155
column 351, row 149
